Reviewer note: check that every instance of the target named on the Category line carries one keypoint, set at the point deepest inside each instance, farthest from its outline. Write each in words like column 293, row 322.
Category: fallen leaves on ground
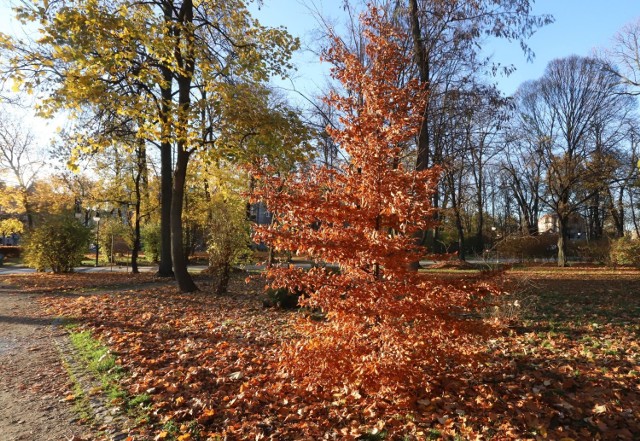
column 58, row 283
column 568, row 367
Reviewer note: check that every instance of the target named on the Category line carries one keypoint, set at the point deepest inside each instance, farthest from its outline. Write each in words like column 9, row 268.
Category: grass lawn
column 564, row 364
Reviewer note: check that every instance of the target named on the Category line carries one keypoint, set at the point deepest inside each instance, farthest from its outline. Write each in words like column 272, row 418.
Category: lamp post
column 96, row 219
column 494, row 238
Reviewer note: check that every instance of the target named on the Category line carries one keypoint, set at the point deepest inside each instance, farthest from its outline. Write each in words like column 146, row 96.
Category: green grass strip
column 102, row 364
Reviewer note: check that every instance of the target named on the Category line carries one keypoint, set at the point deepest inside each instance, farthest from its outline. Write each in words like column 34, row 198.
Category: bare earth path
column 33, row 381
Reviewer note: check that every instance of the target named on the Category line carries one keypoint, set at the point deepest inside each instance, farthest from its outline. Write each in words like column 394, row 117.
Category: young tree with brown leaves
column 386, row 323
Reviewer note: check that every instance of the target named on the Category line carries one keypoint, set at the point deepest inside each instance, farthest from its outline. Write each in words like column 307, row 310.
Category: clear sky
column 580, row 26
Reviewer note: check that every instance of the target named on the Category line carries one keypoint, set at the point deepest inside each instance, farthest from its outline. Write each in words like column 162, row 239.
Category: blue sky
column 580, row 26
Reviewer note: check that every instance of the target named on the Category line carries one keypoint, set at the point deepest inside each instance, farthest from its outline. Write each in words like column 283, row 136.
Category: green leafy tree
column 123, row 183
column 58, row 243
column 151, row 239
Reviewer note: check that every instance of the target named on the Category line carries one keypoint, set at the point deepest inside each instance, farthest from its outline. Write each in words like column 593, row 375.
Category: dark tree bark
column 186, row 58
column 616, row 209
column 141, row 163
column 563, row 236
column 423, row 65
column 165, row 268
column 185, row 282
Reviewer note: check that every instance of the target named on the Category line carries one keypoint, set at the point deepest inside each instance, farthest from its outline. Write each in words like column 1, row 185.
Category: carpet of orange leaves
column 49, row 282
column 567, row 367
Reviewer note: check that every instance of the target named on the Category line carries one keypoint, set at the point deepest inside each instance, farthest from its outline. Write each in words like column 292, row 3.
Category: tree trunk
column 424, row 157
column 27, row 209
column 183, row 78
column 141, row 162
column 270, row 257
column 617, row 213
column 595, row 220
column 222, row 280
column 480, row 208
column 458, row 217
column 462, row 255
column 422, row 62
column 185, row 282
column 187, row 231
column 562, row 240
column 636, row 226
column 166, row 184
column 532, row 226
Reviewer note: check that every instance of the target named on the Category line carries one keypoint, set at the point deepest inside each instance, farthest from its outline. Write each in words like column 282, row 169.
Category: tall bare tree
column 562, row 110
column 446, row 52
column 625, row 56
column 19, row 160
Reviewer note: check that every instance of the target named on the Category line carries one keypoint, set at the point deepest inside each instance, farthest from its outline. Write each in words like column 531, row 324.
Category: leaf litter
column 567, row 368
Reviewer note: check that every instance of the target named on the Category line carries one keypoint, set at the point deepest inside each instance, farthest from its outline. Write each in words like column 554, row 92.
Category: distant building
column 259, row 214
column 576, row 229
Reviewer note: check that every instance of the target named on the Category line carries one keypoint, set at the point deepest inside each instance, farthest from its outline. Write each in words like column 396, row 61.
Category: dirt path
column 33, row 381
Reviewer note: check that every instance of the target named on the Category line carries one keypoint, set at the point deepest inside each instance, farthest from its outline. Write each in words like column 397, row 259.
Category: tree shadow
column 22, row 320
column 567, row 369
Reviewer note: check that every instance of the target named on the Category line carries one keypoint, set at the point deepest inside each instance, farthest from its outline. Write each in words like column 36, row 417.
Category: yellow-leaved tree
column 160, row 66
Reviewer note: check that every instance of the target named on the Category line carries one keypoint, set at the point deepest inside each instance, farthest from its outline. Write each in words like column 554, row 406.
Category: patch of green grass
column 194, row 430
column 99, row 360
column 172, row 429
column 95, row 355
column 80, row 400
column 141, row 400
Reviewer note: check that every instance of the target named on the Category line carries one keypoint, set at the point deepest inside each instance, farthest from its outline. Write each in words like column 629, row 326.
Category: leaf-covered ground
column 567, row 366
column 80, row 282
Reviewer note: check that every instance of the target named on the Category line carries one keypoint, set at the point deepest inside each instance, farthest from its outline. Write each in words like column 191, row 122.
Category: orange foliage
column 387, row 325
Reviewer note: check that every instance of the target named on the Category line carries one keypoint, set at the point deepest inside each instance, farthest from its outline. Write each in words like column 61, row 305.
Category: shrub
column 625, row 251
column 113, row 235
column 593, row 251
column 151, row 241
column 528, row 247
column 228, row 238
column 59, row 243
